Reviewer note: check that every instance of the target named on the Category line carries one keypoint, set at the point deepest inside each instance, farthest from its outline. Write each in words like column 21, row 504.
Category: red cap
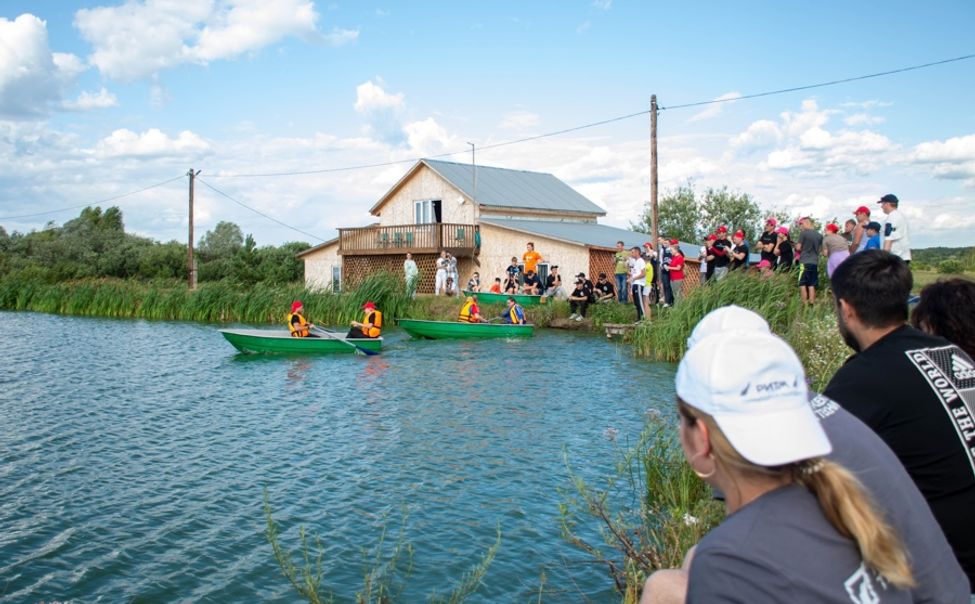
column 772, row 221
column 648, row 244
column 712, row 237
column 722, row 229
column 862, row 210
column 674, row 242
column 764, row 264
column 782, row 231
column 740, row 234
column 296, row 305
column 369, row 305
column 832, row 228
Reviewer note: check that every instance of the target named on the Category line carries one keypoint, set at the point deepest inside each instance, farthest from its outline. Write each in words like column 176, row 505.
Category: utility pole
column 190, row 263
column 653, row 167
column 473, row 175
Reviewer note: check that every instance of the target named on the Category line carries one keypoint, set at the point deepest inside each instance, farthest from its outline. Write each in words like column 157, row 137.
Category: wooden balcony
column 461, row 240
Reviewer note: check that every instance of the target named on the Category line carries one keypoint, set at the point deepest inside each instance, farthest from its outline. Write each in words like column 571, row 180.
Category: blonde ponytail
column 848, row 508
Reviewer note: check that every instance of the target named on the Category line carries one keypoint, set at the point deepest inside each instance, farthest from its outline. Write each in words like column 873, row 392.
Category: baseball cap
column 874, row 225
column 583, row 275
column 740, row 234
column 648, row 244
column 764, row 264
column 722, row 229
column 712, row 237
column 832, row 228
column 674, row 242
column 889, row 198
column 862, row 210
column 727, row 318
column 754, row 387
column 772, row 221
column 296, row 305
column 782, row 230
column 369, row 305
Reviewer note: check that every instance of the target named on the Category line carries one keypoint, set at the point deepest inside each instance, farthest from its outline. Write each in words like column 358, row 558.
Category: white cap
column 727, row 318
column 754, row 387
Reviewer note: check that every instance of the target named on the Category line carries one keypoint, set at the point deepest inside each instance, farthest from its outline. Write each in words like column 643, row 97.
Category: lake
column 134, row 456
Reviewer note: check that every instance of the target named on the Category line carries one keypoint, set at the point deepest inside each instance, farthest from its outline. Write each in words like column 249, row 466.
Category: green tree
column 678, row 214
column 225, row 240
column 736, row 210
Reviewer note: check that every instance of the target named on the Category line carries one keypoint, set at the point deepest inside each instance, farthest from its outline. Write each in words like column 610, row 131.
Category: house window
column 336, row 278
column 426, row 211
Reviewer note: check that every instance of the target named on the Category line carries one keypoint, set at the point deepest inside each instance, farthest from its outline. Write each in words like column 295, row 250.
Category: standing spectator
column 532, row 285
column 835, row 248
column 651, row 292
column 676, row 270
column 784, row 252
column 947, row 309
column 709, row 246
column 553, row 283
column 452, row 274
column 440, row 284
column 809, row 247
column 513, row 271
column 920, row 407
column 848, row 227
column 637, row 280
column 871, row 237
column 897, row 239
column 721, row 249
column 411, row 274
column 474, row 283
column 739, row 253
column 531, row 258
column 663, row 275
column 579, row 300
column 620, row 258
column 767, row 241
column 702, row 258
column 604, row 290
column 859, row 242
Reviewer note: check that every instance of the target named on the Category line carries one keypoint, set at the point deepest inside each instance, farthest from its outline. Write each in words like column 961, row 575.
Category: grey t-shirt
column 937, row 572
column 781, row 548
column 812, row 244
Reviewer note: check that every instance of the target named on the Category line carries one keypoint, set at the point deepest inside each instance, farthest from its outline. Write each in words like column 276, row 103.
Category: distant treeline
column 95, row 245
column 932, row 257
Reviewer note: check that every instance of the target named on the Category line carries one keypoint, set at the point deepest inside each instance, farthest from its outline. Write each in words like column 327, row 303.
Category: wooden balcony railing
column 458, row 239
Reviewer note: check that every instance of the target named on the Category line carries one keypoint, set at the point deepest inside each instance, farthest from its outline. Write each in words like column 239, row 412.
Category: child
column 873, row 235
column 511, row 285
column 765, row 269
column 496, row 288
column 474, row 283
column 514, row 273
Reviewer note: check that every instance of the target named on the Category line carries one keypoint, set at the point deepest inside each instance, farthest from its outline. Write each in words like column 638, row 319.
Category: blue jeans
column 621, row 287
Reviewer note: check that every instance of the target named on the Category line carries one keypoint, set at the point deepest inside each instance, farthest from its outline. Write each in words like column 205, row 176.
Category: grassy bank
column 810, row 330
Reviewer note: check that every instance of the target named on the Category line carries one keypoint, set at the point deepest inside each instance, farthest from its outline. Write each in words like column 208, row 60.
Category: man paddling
column 297, row 324
column 514, row 314
column 470, row 313
column 371, row 325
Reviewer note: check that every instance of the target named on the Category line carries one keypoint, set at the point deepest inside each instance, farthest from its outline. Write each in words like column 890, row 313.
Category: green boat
column 442, row 330
column 491, row 298
column 279, row 341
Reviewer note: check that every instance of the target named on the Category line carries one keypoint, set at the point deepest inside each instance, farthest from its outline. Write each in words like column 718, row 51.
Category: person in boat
column 371, row 325
column 469, row 312
column 297, row 324
column 514, row 315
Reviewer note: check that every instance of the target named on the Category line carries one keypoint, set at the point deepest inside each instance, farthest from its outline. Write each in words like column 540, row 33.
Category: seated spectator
column 532, row 285
column 496, row 287
column 510, row 285
column 589, row 285
column 947, row 309
column 474, row 283
column 451, row 287
column 579, row 300
column 873, row 235
column 764, row 448
column 765, row 269
column 553, row 283
column 604, row 290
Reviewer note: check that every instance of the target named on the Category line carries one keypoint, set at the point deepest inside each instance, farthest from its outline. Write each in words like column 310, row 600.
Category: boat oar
column 338, row 338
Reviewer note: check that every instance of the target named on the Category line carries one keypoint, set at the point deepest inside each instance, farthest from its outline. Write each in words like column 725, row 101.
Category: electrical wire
column 94, row 203
column 258, row 212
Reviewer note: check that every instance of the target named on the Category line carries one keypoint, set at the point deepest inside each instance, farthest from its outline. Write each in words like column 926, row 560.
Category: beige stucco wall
column 426, row 184
column 499, row 245
column 318, row 266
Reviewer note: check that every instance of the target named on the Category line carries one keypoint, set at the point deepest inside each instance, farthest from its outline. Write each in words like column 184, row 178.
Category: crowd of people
column 863, row 493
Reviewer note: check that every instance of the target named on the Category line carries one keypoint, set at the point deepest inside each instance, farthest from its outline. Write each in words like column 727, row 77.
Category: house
column 483, row 216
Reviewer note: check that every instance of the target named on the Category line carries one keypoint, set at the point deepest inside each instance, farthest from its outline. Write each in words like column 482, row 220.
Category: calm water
column 133, row 456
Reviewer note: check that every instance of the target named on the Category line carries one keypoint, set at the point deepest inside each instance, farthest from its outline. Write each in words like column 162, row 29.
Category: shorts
column 808, row 275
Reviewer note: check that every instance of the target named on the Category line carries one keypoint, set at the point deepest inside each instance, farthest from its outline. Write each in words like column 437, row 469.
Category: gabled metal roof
column 503, row 188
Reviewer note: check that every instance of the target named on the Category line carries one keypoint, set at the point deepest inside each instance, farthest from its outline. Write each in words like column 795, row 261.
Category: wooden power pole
column 190, row 263
column 653, row 167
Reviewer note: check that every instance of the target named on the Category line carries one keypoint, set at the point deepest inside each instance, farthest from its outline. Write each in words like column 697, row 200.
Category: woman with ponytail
column 799, row 528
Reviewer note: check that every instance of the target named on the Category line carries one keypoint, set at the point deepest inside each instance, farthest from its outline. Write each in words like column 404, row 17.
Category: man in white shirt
column 637, row 280
column 896, row 236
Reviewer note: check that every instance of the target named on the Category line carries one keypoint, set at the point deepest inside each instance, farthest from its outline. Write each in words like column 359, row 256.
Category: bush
column 951, row 266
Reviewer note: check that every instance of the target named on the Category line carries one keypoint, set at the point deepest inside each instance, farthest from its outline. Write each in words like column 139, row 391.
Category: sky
column 100, row 99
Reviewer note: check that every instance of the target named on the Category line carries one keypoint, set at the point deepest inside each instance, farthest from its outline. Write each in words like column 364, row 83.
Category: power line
column 820, row 85
column 94, row 203
column 258, row 212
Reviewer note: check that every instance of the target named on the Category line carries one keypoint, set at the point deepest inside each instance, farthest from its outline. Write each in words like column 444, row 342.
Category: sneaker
column 578, row 318
column 573, row 316
column 666, row 305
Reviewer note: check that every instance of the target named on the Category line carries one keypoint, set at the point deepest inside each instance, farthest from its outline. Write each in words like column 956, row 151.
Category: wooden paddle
column 338, row 338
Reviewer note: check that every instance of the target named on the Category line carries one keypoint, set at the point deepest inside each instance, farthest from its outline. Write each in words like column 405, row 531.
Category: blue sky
column 100, row 98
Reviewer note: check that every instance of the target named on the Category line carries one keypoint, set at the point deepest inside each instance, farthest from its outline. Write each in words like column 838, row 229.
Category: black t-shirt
column 786, row 255
column 766, row 239
column 603, row 288
column 581, row 291
column 913, row 390
column 719, row 260
column 743, row 263
column 550, row 281
column 513, row 271
column 531, row 280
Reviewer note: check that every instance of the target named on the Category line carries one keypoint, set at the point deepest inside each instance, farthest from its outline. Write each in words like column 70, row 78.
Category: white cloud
column 759, row 134
column 153, row 143
column 92, row 100
column 427, row 137
column 867, row 105
column 32, row 78
column 340, row 37
column 382, row 110
column 519, row 120
column 952, row 159
column 603, row 4
column 142, row 37
column 863, row 119
column 370, row 96
column 715, row 109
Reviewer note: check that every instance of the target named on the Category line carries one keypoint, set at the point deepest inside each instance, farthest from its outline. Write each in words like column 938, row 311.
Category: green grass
column 923, row 277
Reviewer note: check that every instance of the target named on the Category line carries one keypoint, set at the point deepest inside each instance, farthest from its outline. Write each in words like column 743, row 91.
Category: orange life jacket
column 375, row 318
column 299, row 331
column 467, row 312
